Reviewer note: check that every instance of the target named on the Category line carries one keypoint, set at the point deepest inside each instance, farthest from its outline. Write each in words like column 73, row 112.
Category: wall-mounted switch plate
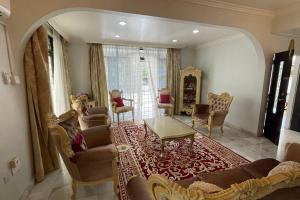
column 15, row 165
column 6, row 78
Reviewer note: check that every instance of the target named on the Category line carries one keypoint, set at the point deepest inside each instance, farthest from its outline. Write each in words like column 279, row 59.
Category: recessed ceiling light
column 123, row 23
column 174, row 41
column 195, row 31
column 117, row 36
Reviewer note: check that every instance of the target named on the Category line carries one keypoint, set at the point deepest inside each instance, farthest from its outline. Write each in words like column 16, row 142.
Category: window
column 138, row 79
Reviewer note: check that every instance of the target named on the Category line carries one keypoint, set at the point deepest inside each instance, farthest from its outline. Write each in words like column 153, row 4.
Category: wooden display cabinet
column 190, row 89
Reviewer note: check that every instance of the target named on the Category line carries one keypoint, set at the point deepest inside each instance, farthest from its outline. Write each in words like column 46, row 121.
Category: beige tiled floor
column 57, row 184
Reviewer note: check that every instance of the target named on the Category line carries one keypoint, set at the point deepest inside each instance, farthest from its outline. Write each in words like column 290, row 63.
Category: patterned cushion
column 218, row 104
column 205, row 187
column 285, row 167
column 71, row 126
column 78, row 143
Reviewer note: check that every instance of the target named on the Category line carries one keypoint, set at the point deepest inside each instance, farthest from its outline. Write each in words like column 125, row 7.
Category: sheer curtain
column 139, row 80
column 60, row 98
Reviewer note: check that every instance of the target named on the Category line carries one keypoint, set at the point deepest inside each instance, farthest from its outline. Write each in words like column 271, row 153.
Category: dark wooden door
column 280, row 75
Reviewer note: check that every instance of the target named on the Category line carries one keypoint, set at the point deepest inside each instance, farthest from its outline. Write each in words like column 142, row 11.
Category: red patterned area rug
column 143, row 155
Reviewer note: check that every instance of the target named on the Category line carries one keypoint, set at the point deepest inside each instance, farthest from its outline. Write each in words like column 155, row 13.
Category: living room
column 153, row 97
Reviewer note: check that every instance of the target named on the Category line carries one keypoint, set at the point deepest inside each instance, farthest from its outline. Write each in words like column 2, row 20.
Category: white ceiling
column 264, row 4
column 101, row 27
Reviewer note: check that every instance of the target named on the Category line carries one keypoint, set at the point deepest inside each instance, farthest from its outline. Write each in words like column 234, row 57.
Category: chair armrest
column 101, row 153
column 201, row 109
column 96, row 136
column 137, row 189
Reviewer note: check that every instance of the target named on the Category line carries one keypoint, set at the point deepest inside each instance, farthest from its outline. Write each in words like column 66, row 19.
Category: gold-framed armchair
column 117, row 105
column 214, row 113
column 94, row 165
column 165, row 101
column 89, row 115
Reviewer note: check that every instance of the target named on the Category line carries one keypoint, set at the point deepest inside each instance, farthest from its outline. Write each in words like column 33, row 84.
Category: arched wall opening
column 28, row 15
column 259, row 65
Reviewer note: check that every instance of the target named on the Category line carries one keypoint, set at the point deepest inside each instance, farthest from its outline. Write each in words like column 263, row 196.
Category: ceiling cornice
column 234, row 7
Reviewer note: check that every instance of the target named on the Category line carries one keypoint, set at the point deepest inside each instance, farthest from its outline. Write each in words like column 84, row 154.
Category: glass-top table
column 168, row 128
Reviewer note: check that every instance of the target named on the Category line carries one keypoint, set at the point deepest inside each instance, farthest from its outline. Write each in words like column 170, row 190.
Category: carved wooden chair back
column 219, row 102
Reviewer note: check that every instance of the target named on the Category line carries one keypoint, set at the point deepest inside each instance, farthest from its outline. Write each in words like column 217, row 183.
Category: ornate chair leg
column 113, row 114
column 222, row 130
column 133, row 115
column 193, row 123
column 115, row 176
column 209, row 131
column 118, row 117
column 74, row 189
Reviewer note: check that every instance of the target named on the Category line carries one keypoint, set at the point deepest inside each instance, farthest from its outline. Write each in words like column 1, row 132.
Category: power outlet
column 15, row 165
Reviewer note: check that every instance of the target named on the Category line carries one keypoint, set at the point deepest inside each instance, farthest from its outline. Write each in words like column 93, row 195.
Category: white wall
column 230, row 65
column 79, row 68
column 188, row 56
column 14, row 134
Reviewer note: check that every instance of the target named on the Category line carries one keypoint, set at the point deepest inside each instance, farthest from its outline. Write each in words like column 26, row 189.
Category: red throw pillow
column 78, row 143
column 164, row 98
column 119, row 101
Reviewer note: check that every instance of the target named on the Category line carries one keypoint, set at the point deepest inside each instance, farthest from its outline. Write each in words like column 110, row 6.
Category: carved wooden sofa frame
column 162, row 188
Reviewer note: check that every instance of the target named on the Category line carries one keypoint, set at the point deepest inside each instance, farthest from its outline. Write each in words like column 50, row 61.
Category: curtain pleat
column 45, row 156
column 98, row 75
column 67, row 67
column 173, row 65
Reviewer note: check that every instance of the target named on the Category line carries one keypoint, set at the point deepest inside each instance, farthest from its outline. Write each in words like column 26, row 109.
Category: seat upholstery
column 95, row 164
column 212, row 114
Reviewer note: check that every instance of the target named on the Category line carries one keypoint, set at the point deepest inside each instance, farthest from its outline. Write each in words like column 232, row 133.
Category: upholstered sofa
column 249, row 182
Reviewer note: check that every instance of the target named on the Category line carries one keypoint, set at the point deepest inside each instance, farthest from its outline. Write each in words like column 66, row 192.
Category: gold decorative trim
column 162, row 188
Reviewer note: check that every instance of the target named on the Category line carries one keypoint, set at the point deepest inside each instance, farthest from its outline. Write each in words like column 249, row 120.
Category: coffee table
column 168, row 128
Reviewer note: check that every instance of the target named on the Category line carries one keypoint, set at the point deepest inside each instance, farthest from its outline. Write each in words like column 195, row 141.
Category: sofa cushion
column 292, row 152
column 260, row 168
column 226, row 178
column 284, row 167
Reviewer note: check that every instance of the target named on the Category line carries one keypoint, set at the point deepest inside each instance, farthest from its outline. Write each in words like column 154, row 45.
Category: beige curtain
column 67, row 66
column 98, row 76
column 173, row 65
column 39, row 103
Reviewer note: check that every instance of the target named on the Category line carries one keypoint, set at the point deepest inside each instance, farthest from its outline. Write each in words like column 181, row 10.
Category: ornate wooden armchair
column 212, row 114
column 166, row 105
column 94, row 165
column 117, row 109
column 89, row 115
